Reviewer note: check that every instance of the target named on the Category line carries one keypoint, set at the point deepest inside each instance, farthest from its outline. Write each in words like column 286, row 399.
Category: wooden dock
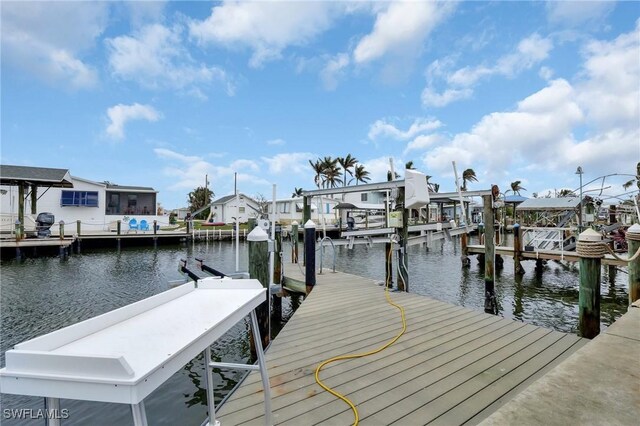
column 453, row 365
column 569, row 256
column 599, row 384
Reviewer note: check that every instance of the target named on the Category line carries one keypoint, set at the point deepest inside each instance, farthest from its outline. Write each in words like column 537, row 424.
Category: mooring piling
column 310, row 254
column 489, row 255
column 276, row 300
column 294, row 242
column 464, row 251
column 517, row 249
column 591, row 251
column 633, row 241
column 258, row 242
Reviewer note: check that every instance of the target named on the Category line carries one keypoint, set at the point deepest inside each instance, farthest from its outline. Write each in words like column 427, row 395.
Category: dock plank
column 446, row 359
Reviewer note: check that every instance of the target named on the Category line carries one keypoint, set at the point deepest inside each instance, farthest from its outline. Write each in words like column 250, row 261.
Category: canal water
column 41, row 295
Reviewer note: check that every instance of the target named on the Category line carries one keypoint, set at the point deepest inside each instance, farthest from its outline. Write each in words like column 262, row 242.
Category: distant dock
column 453, row 365
column 33, row 247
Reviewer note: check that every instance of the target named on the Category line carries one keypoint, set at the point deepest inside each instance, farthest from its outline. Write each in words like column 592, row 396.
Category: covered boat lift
column 32, row 178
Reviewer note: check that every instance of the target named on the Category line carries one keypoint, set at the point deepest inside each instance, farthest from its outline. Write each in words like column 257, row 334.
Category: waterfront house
column 291, row 209
column 97, row 205
column 226, row 208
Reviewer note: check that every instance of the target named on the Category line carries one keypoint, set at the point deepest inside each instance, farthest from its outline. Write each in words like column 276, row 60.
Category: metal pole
column 211, row 403
column 235, row 186
column 139, row 414
column 263, row 370
column 52, row 406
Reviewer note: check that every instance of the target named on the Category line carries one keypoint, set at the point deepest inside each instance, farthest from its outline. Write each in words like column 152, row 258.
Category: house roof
column 563, row 203
column 39, row 176
column 227, row 198
column 514, row 199
column 123, row 188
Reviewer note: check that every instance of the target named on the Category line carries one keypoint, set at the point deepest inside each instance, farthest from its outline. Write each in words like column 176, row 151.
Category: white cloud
column 188, row 172
column 154, row 57
column 545, row 73
column 47, row 39
column 611, row 75
column 120, row 114
column 423, row 141
column 431, row 98
column 267, row 28
column 292, row 162
column 276, row 142
column 577, row 13
column 401, row 28
column 378, row 167
column 529, row 52
column 537, row 131
column 382, row 128
column 604, row 104
column 333, row 70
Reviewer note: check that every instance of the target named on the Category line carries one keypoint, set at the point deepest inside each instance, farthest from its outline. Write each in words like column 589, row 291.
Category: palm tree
column 565, row 193
column 468, row 176
column 347, row 163
column 409, row 165
column 516, row 187
column 330, row 172
column 436, row 187
column 297, row 192
column 317, row 169
column 390, row 177
column 361, row 174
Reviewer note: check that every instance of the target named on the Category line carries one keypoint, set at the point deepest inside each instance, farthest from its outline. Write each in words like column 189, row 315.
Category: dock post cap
column 634, row 229
column 516, row 225
column 590, row 235
column 310, row 224
column 257, row 234
column 294, row 223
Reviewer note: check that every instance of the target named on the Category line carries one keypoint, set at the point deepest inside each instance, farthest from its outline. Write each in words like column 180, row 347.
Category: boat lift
column 124, row 355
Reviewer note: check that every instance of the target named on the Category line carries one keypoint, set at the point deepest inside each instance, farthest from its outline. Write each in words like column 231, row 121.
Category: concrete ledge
column 599, row 384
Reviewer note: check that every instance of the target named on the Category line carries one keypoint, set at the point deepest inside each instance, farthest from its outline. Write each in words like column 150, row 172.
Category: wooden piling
column 464, row 251
column 591, row 252
column 517, row 249
column 259, row 270
column 21, row 209
column 294, row 242
column 310, row 254
column 489, row 253
column 403, row 258
column 633, row 240
column 276, row 308
column 306, row 216
column 34, row 199
column 61, row 229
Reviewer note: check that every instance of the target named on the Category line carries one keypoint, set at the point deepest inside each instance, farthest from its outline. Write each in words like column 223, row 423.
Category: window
column 241, row 210
column 285, row 207
column 363, row 197
column 327, row 208
column 79, row 198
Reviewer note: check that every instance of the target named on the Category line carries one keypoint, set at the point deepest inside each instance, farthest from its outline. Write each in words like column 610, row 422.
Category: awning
column 540, row 204
column 38, row 176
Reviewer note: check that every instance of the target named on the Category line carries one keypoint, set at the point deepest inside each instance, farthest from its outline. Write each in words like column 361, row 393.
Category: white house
column 226, row 208
column 290, row 209
column 97, row 205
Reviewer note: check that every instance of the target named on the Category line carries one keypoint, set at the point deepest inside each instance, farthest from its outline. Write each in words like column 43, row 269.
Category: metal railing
column 333, row 248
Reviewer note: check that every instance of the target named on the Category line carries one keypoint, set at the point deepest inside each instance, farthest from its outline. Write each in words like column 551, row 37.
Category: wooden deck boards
column 453, row 365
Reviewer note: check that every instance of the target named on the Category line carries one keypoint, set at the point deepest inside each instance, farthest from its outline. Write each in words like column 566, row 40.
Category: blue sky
column 163, row 93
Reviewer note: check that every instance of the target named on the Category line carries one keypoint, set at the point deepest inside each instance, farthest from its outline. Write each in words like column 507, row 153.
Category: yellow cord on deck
column 360, row 355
